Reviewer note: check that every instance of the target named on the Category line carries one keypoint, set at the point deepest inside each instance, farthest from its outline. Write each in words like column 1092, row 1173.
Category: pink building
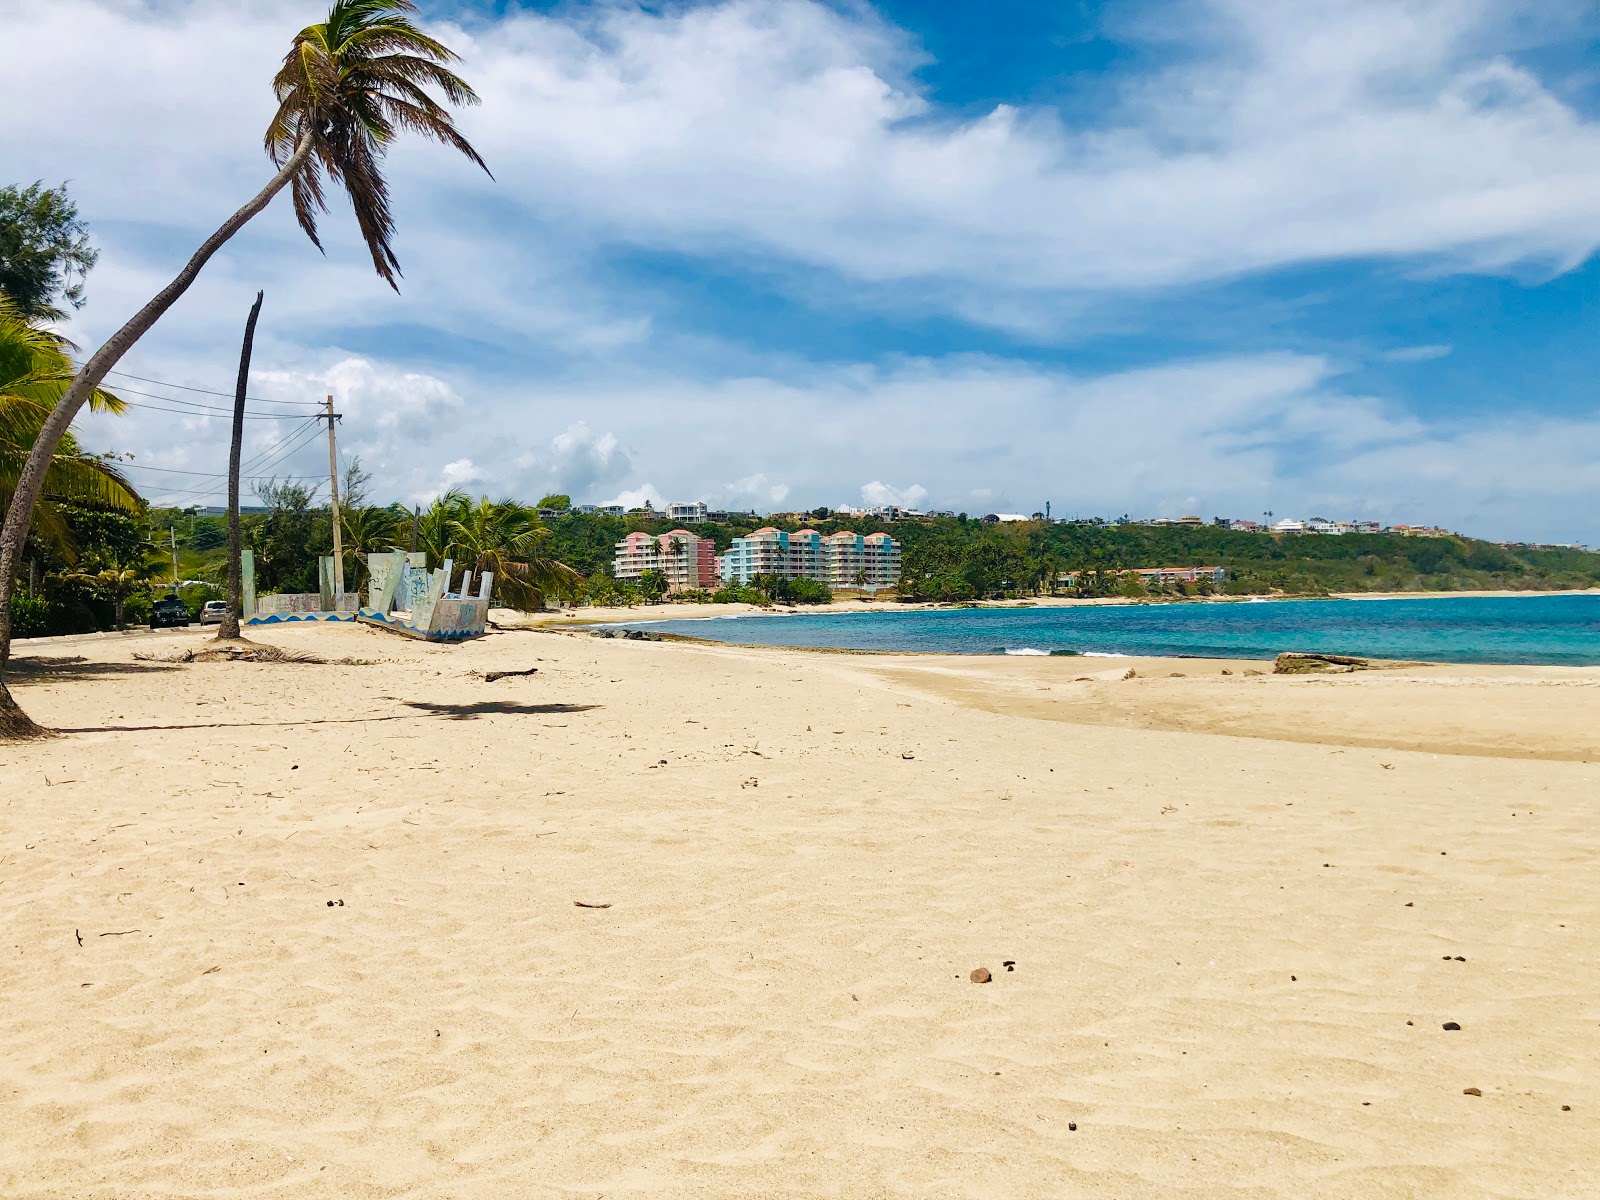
column 687, row 561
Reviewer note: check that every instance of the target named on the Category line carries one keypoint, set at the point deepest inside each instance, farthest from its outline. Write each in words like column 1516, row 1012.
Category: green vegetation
column 955, row 559
column 44, row 250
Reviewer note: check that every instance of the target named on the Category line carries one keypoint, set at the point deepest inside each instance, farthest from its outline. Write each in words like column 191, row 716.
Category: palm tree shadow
column 40, row 669
column 485, row 708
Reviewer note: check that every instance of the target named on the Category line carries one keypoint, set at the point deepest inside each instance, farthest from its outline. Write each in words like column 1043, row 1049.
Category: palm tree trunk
column 31, row 482
column 229, row 630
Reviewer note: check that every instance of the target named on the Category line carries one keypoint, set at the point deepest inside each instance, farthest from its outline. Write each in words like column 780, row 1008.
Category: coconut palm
column 431, row 532
column 34, row 372
column 505, row 538
column 118, row 578
column 346, row 89
column 368, row 529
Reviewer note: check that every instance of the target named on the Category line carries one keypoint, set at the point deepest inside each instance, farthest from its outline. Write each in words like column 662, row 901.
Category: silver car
column 213, row 612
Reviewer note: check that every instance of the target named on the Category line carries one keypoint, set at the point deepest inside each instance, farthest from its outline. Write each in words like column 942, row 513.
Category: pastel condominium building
column 840, row 560
column 687, row 561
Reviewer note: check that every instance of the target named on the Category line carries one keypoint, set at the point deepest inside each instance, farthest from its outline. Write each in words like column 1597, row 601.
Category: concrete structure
column 687, row 561
column 280, row 607
column 408, row 599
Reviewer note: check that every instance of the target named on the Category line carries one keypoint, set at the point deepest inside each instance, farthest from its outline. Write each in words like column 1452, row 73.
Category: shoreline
column 696, row 614
column 700, row 611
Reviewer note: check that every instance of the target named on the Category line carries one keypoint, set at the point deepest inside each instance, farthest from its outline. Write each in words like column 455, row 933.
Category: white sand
column 1219, row 939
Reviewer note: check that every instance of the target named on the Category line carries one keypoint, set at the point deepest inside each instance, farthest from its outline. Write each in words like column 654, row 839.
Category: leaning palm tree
column 506, row 538
column 347, row 88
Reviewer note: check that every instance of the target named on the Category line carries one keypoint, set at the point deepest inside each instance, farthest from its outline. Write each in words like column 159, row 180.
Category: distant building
column 764, row 551
column 1005, row 518
column 686, row 560
column 852, row 561
column 694, row 513
column 840, row 560
column 1289, row 526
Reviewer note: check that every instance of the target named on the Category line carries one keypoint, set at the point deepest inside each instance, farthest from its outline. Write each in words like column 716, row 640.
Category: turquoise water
column 1562, row 630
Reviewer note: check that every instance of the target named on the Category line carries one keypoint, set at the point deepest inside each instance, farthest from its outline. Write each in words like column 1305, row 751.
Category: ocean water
column 1560, row 630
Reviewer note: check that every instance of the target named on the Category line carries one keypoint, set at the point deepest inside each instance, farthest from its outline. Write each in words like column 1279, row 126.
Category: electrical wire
column 257, row 468
column 203, row 391
column 205, row 413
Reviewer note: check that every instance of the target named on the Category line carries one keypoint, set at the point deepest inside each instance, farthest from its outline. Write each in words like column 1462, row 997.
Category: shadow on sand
column 451, row 712
column 23, row 671
column 486, row 708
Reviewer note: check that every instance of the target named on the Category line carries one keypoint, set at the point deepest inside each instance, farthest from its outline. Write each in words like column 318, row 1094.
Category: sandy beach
column 671, row 920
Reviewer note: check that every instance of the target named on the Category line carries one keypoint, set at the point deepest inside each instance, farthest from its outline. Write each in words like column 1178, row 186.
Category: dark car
column 168, row 611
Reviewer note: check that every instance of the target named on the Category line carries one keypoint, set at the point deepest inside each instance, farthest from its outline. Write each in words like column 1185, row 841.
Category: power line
column 256, row 468
column 202, row 412
column 203, row 391
column 256, row 459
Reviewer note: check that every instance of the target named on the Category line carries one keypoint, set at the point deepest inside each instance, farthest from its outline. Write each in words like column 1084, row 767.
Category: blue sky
column 1216, row 256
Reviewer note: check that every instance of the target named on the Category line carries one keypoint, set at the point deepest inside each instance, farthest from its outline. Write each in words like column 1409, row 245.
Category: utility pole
column 333, row 482
column 172, row 537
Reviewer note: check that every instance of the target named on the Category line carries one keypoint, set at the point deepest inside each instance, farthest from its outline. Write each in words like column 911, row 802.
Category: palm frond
column 352, row 83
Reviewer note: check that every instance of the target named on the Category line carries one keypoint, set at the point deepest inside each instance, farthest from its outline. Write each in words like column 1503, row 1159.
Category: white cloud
column 580, row 461
column 1299, row 133
column 877, row 494
column 788, row 134
column 638, row 497
column 1419, row 354
column 754, row 489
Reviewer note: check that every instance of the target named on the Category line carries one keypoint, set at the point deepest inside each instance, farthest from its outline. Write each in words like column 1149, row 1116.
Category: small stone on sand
column 981, row 975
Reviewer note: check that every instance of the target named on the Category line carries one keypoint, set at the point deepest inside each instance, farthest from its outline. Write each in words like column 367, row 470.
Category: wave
column 1025, row 650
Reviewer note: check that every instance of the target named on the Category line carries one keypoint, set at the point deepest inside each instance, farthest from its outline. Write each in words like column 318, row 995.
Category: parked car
column 168, row 611
column 213, row 612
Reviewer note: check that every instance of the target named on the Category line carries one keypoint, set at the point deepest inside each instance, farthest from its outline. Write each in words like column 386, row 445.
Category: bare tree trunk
column 31, row 482
column 229, row 630
column 15, row 725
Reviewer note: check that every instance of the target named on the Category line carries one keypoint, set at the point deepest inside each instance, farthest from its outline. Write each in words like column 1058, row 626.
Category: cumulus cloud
column 793, row 140
column 877, row 494
column 579, row 462
column 638, row 497
column 1292, row 133
column 754, row 489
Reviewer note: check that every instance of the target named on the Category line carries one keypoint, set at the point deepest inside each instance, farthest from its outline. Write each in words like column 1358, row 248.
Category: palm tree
column 505, row 538
column 346, row 89
column 369, row 529
column 432, row 531
column 119, row 578
column 34, row 371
